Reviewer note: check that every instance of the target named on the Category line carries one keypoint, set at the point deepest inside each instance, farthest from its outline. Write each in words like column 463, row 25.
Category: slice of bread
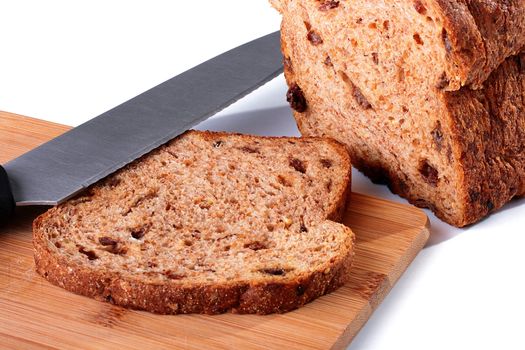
column 209, row 223
column 428, row 95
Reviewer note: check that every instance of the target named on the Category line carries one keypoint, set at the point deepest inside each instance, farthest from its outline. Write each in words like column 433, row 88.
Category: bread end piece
column 427, row 95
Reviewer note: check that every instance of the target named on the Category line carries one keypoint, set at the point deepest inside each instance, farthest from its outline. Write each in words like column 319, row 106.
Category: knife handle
column 7, row 202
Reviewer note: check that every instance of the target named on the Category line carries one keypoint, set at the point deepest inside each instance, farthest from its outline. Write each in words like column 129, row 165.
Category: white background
column 68, row 61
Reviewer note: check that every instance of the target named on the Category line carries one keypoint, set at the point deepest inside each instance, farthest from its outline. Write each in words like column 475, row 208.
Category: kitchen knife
column 64, row 166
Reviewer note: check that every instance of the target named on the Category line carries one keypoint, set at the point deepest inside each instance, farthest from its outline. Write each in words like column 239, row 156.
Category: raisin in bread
column 208, row 223
column 428, row 95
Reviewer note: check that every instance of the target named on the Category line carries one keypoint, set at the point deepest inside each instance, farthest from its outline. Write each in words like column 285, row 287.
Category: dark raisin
column 327, row 163
column 360, row 98
column 303, row 228
column 356, row 92
column 420, row 8
column 314, row 38
column 138, row 233
column 173, row 276
column 328, row 5
column 328, row 185
column 248, row 149
column 217, row 144
column 299, row 290
column 298, row 165
column 417, row 39
column 109, row 298
column 490, row 205
column 255, row 246
column 105, row 241
column 328, row 61
column 429, row 173
column 58, row 244
column 307, row 25
column 375, row 58
column 443, row 81
column 274, row 271
column 446, row 40
column 437, row 134
column 91, row 255
column 296, row 99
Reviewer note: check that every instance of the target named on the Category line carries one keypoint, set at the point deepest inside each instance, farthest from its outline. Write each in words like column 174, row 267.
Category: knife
column 64, row 166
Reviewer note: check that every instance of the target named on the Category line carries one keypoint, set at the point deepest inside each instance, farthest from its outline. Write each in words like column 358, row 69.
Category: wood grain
column 36, row 314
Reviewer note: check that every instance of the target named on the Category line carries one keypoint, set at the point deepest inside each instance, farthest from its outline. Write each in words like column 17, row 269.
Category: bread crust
column 176, row 297
column 482, row 35
column 481, row 124
column 488, row 127
column 488, row 130
column 479, row 36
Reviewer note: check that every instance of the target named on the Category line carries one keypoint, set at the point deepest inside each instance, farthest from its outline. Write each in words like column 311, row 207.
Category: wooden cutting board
column 36, row 314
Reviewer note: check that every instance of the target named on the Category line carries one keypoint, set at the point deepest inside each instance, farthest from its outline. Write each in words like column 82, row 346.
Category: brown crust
column 380, row 175
column 175, row 298
column 488, row 127
column 482, row 35
column 262, row 298
column 485, row 141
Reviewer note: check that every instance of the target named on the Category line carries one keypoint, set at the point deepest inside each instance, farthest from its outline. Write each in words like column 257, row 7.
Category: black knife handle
column 7, row 202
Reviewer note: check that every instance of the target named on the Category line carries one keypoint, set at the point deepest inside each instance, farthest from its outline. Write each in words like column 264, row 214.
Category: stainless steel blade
column 64, row 166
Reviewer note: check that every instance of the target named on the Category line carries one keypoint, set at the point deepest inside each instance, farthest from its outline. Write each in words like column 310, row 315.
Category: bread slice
column 427, row 95
column 208, row 223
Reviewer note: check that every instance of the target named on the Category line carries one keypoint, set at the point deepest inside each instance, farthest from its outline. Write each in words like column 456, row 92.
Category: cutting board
column 36, row 314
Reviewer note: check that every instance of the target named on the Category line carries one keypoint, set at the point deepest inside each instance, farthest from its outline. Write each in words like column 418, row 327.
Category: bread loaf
column 209, row 223
column 427, row 95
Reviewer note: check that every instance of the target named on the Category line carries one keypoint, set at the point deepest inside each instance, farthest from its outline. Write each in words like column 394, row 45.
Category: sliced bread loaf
column 428, row 95
column 208, row 223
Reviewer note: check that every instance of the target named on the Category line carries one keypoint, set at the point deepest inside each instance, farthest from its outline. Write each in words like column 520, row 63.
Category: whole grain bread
column 208, row 223
column 427, row 95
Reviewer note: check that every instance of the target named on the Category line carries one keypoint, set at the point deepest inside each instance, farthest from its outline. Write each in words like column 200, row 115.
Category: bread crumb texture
column 209, row 223
column 427, row 95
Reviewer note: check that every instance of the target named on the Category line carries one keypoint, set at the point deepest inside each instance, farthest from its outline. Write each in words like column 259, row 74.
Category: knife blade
column 64, row 166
